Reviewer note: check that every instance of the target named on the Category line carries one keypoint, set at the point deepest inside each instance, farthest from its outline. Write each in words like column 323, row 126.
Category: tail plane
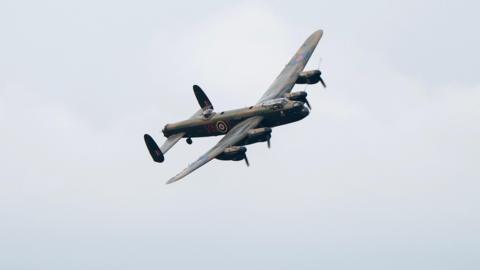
column 158, row 153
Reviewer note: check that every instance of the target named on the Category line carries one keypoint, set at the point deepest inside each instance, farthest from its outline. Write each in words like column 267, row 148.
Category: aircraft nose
column 305, row 111
column 297, row 104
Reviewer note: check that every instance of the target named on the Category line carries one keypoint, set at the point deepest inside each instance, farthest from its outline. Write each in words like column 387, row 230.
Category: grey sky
column 383, row 174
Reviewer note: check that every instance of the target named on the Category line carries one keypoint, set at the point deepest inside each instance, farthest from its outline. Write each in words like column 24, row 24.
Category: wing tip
column 173, row 180
column 318, row 34
column 177, row 177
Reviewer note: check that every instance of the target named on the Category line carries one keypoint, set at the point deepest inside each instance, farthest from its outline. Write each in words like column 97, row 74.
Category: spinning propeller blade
column 308, row 104
column 246, row 160
column 320, row 76
column 323, row 83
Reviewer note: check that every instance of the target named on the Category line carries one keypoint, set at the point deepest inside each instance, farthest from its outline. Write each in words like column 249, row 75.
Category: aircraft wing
column 235, row 135
column 286, row 79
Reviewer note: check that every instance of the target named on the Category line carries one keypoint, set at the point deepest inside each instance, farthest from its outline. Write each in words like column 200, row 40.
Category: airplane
column 244, row 126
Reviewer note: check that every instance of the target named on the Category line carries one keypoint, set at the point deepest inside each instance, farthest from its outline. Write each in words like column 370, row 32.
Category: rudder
column 152, row 146
column 202, row 98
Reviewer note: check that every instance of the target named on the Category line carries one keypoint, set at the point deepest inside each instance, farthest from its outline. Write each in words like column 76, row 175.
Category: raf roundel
column 221, row 126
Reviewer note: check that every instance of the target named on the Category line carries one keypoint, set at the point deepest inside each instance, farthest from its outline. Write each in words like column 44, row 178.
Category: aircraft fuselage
column 274, row 114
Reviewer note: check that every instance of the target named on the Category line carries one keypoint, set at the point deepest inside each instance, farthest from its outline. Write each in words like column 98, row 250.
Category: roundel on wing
column 221, row 126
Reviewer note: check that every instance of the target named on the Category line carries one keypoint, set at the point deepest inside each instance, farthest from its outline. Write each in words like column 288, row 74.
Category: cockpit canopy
column 275, row 103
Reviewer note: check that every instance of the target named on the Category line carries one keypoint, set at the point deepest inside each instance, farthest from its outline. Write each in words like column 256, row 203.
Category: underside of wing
column 286, row 79
column 235, row 135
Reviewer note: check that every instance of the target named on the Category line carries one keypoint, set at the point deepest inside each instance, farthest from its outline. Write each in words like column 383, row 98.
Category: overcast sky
column 383, row 174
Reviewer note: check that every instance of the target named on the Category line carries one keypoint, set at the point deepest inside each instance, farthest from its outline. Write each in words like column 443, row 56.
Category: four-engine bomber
column 244, row 126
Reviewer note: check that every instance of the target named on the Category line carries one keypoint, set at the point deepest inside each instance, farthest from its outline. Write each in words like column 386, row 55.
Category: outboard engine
column 310, row 77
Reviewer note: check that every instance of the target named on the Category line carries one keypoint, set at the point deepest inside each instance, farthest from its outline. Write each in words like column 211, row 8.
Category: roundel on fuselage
column 221, row 126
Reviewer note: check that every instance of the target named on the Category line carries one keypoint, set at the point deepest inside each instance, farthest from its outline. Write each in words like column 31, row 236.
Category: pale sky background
column 383, row 174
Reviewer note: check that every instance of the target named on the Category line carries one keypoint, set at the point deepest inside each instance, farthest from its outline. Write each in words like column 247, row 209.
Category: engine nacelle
column 257, row 135
column 234, row 153
column 309, row 77
column 297, row 96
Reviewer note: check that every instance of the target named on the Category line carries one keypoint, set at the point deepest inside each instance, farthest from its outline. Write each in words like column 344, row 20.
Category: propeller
column 246, row 160
column 320, row 75
column 268, row 143
column 308, row 103
column 304, row 99
column 321, row 80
